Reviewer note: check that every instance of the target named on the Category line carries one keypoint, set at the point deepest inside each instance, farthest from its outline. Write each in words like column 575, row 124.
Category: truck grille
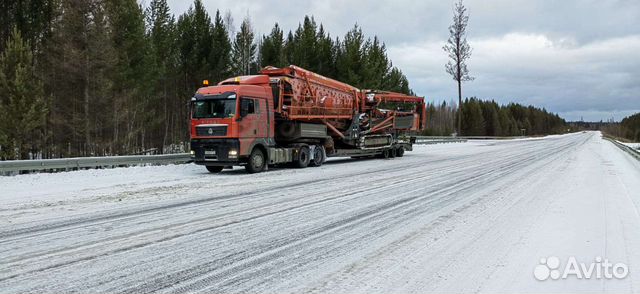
column 211, row 131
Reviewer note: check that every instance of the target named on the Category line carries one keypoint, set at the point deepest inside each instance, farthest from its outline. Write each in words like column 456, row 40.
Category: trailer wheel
column 214, row 169
column 303, row 157
column 318, row 156
column 400, row 151
column 392, row 152
column 256, row 161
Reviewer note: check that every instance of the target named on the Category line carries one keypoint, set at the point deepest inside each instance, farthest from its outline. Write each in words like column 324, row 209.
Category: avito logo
column 599, row 269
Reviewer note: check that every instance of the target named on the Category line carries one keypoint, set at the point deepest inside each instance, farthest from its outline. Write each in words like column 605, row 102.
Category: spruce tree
column 491, row 118
column 307, row 44
column 288, row 49
column 32, row 18
column 473, row 123
column 326, row 52
column 295, row 51
column 396, row 81
column 195, row 42
column 506, row 124
column 272, row 50
column 220, row 58
column 133, row 68
column 23, row 106
column 77, row 48
column 350, row 62
column 101, row 56
column 161, row 28
column 244, row 49
column 377, row 65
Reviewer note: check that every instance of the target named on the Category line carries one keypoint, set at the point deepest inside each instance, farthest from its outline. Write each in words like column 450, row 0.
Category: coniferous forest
column 108, row 77
column 628, row 129
column 488, row 118
column 113, row 77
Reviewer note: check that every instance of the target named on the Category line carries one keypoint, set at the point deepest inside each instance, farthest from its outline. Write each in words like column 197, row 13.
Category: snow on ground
column 464, row 217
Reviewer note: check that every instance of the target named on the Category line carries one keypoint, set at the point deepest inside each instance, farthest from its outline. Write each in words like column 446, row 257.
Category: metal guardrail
column 472, row 137
column 91, row 162
column 635, row 153
column 427, row 140
column 424, row 140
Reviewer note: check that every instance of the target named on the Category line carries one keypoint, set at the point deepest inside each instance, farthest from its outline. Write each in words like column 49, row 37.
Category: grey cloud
column 574, row 57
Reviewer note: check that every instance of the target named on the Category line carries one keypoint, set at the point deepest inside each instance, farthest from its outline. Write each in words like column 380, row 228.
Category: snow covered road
column 472, row 217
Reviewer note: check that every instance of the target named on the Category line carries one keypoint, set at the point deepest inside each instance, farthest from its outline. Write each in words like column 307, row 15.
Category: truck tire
column 318, row 156
column 256, row 161
column 385, row 153
column 392, row 152
column 303, row 157
column 400, row 151
column 214, row 169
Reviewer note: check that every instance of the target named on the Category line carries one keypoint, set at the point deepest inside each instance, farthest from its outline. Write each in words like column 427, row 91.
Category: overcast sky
column 576, row 58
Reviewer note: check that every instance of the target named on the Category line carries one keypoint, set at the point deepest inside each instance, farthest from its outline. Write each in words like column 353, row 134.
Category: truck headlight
column 233, row 152
column 192, row 152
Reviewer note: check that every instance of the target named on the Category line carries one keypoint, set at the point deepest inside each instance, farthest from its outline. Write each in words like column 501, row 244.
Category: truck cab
column 231, row 121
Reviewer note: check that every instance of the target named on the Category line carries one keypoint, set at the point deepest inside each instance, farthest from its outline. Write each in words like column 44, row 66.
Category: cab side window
column 257, row 105
column 251, row 106
column 248, row 104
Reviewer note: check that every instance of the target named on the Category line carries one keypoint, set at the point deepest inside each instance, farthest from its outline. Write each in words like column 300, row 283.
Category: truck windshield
column 215, row 106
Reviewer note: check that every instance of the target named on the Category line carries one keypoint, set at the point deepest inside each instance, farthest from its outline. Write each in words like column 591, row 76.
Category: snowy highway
column 473, row 217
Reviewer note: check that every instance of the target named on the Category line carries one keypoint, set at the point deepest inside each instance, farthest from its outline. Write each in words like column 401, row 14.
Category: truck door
column 262, row 117
column 248, row 126
column 250, row 120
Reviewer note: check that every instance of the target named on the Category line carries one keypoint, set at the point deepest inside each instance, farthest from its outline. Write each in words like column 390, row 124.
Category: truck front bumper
column 216, row 152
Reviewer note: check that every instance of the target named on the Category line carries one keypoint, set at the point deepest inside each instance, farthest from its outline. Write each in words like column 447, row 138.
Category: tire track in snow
column 394, row 209
column 156, row 285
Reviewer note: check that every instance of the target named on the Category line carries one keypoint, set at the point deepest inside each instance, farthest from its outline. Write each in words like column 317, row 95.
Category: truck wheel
column 392, row 152
column 385, row 153
column 303, row 157
column 214, row 169
column 256, row 161
column 318, row 156
column 400, row 151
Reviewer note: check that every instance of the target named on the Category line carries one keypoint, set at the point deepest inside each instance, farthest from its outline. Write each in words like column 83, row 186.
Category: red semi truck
column 296, row 117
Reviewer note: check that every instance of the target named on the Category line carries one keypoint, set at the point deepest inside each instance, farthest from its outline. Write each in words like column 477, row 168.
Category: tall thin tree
column 244, row 49
column 23, row 105
column 220, row 59
column 459, row 52
column 271, row 51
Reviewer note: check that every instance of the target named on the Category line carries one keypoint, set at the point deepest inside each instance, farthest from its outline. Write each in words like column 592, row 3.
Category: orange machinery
column 310, row 97
column 294, row 116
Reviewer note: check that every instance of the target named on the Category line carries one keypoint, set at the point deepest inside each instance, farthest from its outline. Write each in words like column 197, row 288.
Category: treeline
column 488, row 118
column 108, row 77
column 628, row 128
